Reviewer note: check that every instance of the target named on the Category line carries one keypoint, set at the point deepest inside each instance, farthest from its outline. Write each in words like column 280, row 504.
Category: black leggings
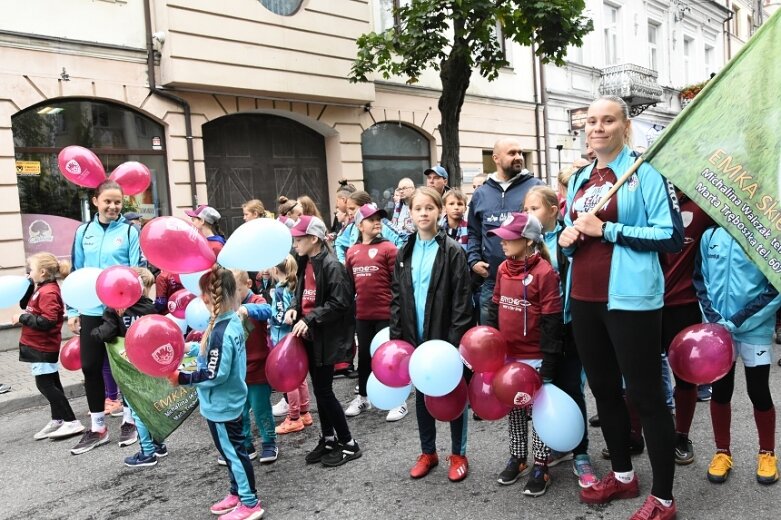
column 616, row 343
column 756, row 385
column 50, row 386
column 332, row 419
column 366, row 330
column 93, row 355
column 674, row 320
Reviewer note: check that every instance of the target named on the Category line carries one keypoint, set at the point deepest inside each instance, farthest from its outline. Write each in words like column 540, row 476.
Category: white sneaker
column 68, row 429
column 280, row 409
column 52, row 426
column 397, row 413
column 357, row 405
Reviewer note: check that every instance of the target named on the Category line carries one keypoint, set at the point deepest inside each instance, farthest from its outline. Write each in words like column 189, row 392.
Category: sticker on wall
column 157, row 143
column 28, row 168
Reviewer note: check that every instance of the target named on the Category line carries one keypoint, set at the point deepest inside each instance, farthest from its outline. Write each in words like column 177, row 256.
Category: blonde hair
column 55, row 269
column 566, row 174
column 454, row 192
column 624, row 111
column 546, row 194
column 255, row 206
column 289, row 269
column 241, row 276
column 430, row 193
column 146, row 277
column 220, row 285
column 308, row 207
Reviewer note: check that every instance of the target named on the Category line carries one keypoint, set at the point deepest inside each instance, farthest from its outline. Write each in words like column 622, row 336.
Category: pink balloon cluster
column 83, row 168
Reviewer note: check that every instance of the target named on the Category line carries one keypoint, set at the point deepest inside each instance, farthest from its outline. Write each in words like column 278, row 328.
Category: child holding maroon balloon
column 431, row 299
column 734, row 293
column 527, row 309
column 222, row 391
column 369, row 265
column 39, row 343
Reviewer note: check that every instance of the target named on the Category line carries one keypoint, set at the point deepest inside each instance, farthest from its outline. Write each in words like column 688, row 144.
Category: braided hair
column 220, row 285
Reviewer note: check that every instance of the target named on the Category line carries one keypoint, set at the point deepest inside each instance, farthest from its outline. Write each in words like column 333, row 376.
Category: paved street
column 42, row 480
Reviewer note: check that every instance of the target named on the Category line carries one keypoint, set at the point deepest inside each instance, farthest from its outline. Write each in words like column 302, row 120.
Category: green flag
column 161, row 407
column 724, row 149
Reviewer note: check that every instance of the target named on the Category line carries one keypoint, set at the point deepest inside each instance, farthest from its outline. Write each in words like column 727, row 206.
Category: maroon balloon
column 702, row 353
column 448, row 407
column 481, row 397
column 70, row 354
column 390, row 363
column 174, row 245
column 133, row 176
column 483, row 349
column 154, row 345
column 516, row 384
column 287, row 364
column 80, row 166
column 178, row 301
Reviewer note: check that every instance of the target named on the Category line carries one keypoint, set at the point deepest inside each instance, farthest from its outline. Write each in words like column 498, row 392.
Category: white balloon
column 78, row 289
column 180, row 322
column 191, row 281
column 197, row 315
column 12, row 288
column 256, row 245
column 381, row 337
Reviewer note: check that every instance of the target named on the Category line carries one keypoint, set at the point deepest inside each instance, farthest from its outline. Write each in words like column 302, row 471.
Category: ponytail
column 220, row 285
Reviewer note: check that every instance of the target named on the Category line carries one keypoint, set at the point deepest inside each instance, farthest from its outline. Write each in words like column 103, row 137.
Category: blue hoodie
column 732, row 291
column 220, row 377
column 93, row 246
column 649, row 222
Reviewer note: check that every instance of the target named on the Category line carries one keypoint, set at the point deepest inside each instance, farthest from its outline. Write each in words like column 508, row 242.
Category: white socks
column 665, row 503
column 127, row 417
column 98, row 421
column 625, row 477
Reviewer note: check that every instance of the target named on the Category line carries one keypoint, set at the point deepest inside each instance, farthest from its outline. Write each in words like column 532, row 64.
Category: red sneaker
column 609, row 488
column 459, row 467
column 425, row 462
column 654, row 510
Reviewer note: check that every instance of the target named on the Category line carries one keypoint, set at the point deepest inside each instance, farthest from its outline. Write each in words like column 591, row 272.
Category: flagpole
column 619, row 182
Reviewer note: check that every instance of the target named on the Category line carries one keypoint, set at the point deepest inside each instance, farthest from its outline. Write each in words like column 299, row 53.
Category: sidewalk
column 23, row 392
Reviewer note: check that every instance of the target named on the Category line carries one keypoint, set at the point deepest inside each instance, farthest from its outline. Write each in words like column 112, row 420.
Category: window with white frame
column 688, row 46
column 735, row 23
column 384, row 18
column 611, row 34
column 708, row 59
column 654, row 32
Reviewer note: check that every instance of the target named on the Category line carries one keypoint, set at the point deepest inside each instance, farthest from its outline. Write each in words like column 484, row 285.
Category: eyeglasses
column 405, row 188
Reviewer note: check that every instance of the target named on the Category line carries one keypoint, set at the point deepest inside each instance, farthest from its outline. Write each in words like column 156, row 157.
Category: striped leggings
column 519, row 435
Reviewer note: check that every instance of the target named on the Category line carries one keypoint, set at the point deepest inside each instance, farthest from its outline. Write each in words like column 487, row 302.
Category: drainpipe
column 188, row 123
column 544, row 91
column 727, row 37
column 536, row 110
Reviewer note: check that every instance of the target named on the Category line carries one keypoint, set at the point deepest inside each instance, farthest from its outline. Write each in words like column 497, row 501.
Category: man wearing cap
column 436, row 177
column 501, row 194
column 207, row 220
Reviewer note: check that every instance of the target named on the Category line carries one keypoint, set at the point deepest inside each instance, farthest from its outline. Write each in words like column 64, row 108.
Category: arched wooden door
column 260, row 156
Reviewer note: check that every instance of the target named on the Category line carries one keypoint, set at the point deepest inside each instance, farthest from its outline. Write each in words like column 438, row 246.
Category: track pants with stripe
column 229, row 439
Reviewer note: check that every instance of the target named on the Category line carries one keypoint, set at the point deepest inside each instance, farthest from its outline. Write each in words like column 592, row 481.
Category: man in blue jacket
column 502, row 194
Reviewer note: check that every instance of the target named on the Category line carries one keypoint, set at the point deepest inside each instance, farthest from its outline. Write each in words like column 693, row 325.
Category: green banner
column 161, row 407
column 724, row 149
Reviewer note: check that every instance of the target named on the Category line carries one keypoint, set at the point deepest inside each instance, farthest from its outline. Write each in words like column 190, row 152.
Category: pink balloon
column 481, row 397
column 177, row 302
column 174, row 245
column 118, row 287
column 133, row 176
column 287, row 364
column 70, row 354
column 81, row 166
column 483, row 349
column 702, row 353
column 516, row 384
column 155, row 345
column 390, row 363
column 448, row 407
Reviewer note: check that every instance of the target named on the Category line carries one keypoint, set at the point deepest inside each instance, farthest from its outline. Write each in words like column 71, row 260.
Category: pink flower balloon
column 174, row 245
column 287, row 364
column 133, row 176
column 481, row 397
column 118, row 287
column 178, row 301
column 70, row 354
column 390, row 363
column 155, row 345
column 516, row 384
column 702, row 354
column 81, row 166
column 448, row 407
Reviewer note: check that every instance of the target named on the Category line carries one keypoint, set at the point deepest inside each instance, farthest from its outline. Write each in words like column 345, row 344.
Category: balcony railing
column 636, row 85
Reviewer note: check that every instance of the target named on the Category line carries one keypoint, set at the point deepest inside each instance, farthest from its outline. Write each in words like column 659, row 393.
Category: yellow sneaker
column 719, row 468
column 767, row 468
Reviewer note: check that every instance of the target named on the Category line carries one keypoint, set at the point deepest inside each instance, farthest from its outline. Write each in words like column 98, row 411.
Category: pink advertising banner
column 48, row 233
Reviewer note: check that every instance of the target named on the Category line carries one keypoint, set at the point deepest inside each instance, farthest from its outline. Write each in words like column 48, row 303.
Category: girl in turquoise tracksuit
column 734, row 293
column 222, row 391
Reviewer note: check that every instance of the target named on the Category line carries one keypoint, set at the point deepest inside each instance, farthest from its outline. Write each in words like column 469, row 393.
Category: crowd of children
column 557, row 297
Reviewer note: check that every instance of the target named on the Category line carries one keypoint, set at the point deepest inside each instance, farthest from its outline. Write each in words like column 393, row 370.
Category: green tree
column 456, row 37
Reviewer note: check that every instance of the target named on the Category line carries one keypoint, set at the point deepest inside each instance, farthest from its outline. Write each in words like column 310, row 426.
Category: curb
column 10, row 403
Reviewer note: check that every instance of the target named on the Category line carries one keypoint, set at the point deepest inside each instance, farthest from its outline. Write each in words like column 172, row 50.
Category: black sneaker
column 684, row 451
column 127, row 434
column 636, row 447
column 594, row 420
column 323, row 447
column 161, row 450
column 516, row 468
column 340, row 454
column 89, row 441
column 139, row 460
column 538, row 482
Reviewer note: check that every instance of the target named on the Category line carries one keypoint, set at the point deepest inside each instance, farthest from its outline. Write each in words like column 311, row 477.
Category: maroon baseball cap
column 517, row 226
column 369, row 210
column 206, row 213
column 309, row 225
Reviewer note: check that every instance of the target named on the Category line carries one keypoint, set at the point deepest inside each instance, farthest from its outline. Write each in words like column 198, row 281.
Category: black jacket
column 332, row 322
column 115, row 326
column 448, row 310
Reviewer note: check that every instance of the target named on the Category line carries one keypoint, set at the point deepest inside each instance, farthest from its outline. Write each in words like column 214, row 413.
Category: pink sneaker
column 226, row 505
column 245, row 513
